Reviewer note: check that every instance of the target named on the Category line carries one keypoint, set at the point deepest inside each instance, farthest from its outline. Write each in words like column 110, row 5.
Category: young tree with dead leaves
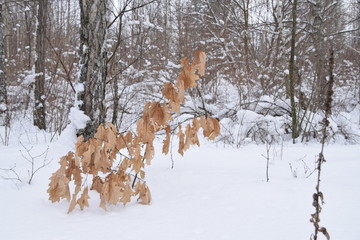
column 123, row 177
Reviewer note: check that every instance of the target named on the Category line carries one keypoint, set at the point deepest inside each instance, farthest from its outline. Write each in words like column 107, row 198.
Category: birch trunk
column 93, row 63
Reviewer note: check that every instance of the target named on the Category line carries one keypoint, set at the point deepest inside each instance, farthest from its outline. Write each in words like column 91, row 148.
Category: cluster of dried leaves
column 118, row 181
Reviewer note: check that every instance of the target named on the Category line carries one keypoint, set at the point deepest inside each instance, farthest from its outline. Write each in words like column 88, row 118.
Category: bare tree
column 3, row 90
column 39, row 91
column 291, row 82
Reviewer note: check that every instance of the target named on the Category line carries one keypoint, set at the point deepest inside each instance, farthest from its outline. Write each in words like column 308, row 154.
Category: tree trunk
column 93, row 63
column 4, row 114
column 320, row 52
column 291, row 83
column 39, row 92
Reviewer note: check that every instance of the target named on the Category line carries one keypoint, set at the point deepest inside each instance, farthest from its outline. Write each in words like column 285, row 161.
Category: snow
column 213, row 192
column 2, row 107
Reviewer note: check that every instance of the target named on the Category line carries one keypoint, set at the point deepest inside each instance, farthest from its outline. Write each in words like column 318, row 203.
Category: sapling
column 269, row 140
column 318, row 196
column 31, row 159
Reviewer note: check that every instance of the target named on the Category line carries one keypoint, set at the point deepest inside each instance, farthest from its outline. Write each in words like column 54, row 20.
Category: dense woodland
column 270, row 64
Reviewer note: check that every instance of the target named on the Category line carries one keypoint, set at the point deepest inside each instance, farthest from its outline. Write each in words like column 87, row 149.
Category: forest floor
column 213, row 192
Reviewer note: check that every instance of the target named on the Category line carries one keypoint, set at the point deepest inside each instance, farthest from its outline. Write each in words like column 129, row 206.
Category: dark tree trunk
column 291, row 83
column 93, row 63
column 39, row 92
column 4, row 114
column 320, row 52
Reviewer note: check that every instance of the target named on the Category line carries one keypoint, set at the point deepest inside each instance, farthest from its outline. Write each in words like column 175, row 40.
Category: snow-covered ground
column 213, row 192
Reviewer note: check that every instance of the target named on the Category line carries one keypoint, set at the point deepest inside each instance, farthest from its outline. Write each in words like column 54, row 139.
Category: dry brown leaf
column 172, row 94
column 125, row 164
column 97, row 184
column 191, row 137
column 196, row 124
column 111, row 191
column 83, row 200
column 137, row 163
column 181, row 136
column 76, row 173
column 111, row 137
column 166, row 142
column 174, row 107
column 158, row 115
column 58, row 187
column 169, row 92
column 113, row 128
column 126, row 195
column 199, row 62
column 142, row 174
column 128, row 139
column 184, row 61
column 181, row 92
column 188, row 77
column 216, row 129
column 105, row 163
column 211, row 127
column 100, row 133
column 149, row 153
column 144, row 193
column 202, row 122
column 104, row 195
column 167, row 115
column 73, row 201
column 96, row 156
column 120, row 142
column 87, row 160
column 187, row 138
column 80, row 147
column 146, row 130
column 115, row 188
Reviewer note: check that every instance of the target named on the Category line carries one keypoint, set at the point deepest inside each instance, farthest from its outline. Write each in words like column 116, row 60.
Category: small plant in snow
column 268, row 144
column 32, row 160
column 11, row 175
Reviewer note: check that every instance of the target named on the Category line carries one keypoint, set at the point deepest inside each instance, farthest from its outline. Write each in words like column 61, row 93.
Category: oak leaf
column 144, row 193
column 87, row 161
column 83, row 200
column 199, row 62
column 58, row 187
column 215, row 128
column 97, row 184
column 191, row 137
column 188, row 76
column 80, row 147
column 126, row 195
column 166, row 142
column 73, row 199
column 120, row 142
column 181, row 136
column 149, row 152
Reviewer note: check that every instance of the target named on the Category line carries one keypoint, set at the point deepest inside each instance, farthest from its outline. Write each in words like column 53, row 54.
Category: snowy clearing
column 211, row 193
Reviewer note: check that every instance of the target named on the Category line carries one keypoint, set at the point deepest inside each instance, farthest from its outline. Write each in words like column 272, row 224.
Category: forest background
column 252, row 84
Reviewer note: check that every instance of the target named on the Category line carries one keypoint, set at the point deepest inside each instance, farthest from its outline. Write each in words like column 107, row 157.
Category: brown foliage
column 116, row 184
